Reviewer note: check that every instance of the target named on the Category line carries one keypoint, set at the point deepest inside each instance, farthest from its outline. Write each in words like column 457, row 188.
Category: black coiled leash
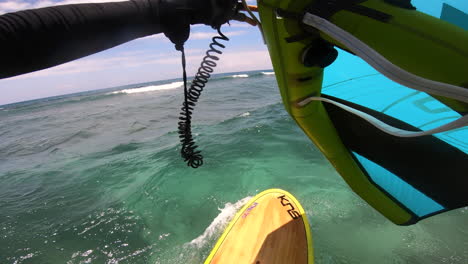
column 189, row 151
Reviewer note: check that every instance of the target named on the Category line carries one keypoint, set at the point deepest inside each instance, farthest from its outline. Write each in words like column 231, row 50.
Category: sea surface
column 96, row 177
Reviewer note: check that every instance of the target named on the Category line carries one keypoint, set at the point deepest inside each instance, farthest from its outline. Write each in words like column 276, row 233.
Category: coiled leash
column 178, row 33
column 189, row 151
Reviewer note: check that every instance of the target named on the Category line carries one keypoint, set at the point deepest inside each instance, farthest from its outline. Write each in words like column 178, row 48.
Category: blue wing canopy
column 426, row 175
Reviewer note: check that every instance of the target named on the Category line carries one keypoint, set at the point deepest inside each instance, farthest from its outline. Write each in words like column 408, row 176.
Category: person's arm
column 36, row 39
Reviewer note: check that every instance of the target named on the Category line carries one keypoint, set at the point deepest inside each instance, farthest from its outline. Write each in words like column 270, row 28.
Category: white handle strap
column 460, row 122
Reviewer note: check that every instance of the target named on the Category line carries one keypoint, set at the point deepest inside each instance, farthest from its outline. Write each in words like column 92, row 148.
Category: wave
column 233, row 75
column 21, row 147
column 151, row 88
column 219, row 223
column 245, row 75
column 56, row 102
column 240, row 76
column 268, row 73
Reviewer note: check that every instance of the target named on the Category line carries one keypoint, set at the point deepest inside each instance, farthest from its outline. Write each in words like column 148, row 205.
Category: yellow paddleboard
column 272, row 228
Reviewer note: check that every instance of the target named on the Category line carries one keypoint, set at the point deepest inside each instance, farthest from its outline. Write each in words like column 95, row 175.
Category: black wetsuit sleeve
column 36, row 39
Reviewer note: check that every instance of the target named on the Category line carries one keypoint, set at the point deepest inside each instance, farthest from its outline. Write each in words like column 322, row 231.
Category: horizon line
column 58, row 96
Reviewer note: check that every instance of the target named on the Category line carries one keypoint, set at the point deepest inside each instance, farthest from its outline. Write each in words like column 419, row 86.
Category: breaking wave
column 240, row 76
column 243, row 75
column 219, row 223
column 151, row 88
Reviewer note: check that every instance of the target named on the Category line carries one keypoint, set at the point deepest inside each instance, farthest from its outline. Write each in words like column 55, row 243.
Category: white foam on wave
column 268, row 73
column 240, row 76
column 245, row 114
column 151, row 88
column 220, row 222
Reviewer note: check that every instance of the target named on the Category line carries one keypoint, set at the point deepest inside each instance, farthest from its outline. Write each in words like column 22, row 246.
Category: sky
column 142, row 60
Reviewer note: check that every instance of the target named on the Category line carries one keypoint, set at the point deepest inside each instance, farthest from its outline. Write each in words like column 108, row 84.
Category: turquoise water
column 97, row 178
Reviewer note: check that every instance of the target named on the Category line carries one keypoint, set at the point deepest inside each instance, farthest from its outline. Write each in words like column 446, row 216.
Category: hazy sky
column 148, row 59
column 142, row 60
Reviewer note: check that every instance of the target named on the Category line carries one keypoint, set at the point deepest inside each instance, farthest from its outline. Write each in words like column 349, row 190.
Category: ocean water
column 96, row 177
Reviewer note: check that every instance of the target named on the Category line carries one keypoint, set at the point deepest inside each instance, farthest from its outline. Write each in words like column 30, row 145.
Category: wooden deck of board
column 265, row 234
